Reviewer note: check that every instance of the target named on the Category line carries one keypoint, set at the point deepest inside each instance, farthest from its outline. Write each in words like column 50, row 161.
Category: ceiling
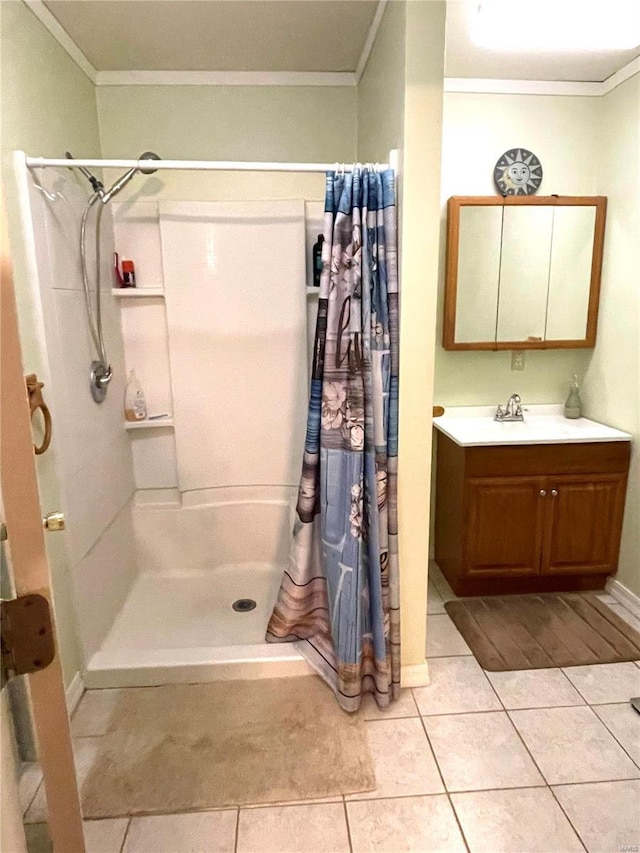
column 466, row 59
column 218, row 35
column 293, row 35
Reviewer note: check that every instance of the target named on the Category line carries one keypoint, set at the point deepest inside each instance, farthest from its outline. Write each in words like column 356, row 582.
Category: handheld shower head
column 124, row 180
column 148, row 155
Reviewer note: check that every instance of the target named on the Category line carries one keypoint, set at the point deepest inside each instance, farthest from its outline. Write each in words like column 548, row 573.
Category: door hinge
column 27, row 635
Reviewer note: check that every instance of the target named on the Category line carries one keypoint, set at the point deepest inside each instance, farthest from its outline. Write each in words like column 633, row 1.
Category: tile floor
column 543, row 761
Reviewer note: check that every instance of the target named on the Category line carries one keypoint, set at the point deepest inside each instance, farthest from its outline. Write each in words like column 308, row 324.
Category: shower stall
column 178, row 526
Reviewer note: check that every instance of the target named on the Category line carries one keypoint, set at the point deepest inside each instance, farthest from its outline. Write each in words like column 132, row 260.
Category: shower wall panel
column 236, row 314
column 89, row 441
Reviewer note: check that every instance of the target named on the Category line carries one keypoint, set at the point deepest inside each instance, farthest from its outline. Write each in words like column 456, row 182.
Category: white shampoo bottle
column 135, row 403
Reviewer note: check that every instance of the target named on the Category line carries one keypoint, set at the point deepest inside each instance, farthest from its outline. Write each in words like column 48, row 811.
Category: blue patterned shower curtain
column 339, row 596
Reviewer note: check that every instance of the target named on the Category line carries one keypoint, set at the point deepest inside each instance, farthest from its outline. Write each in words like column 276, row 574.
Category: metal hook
column 48, row 195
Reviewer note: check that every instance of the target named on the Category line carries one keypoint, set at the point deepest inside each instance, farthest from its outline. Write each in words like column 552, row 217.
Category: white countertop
column 473, row 426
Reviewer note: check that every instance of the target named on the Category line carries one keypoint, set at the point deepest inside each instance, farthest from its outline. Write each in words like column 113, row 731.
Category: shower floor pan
column 182, row 628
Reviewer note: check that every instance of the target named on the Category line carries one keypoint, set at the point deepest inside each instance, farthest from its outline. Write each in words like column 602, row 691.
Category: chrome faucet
column 512, row 411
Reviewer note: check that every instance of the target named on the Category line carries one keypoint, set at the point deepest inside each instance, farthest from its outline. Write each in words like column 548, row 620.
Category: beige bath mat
column 538, row 631
column 200, row 746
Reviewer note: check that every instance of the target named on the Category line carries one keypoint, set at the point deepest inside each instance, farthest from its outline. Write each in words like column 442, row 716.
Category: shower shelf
column 313, row 291
column 156, row 424
column 137, row 292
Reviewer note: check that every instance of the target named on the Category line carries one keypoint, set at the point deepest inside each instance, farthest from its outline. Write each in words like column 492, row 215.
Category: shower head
column 148, row 155
column 97, row 185
column 124, row 180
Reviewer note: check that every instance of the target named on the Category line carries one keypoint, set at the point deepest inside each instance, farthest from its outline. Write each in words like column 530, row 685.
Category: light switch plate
column 517, row 359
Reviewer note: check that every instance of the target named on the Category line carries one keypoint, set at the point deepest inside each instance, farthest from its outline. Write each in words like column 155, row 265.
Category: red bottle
column 128, row 274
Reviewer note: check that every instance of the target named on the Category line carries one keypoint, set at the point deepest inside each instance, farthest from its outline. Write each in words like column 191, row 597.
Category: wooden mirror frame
column 451, row 274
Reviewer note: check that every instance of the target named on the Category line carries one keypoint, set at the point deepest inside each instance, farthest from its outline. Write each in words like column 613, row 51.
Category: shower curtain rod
column 193, row 165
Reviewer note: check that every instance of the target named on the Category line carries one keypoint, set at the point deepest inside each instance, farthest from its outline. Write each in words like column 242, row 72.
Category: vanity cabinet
column 529, row 518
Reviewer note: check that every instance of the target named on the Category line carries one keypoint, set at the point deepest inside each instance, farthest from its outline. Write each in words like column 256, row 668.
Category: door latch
column 27, row 635
column 54, row 521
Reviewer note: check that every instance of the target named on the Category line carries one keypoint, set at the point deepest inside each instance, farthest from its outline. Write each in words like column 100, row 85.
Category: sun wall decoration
column 518, row 172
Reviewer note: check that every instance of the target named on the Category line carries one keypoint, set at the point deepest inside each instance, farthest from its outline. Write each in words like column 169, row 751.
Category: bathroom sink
column 474, row 426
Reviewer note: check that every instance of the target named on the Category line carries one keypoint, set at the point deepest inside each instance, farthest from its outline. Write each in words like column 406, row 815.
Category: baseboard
column 624, row 596
column 415, row 675
column 74, row 692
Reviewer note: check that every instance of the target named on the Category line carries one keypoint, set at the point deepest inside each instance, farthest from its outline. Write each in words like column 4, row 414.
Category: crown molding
column 370, row 39
column 62, row 37
column 625, row 73
column 486, row 86
column 225, row 78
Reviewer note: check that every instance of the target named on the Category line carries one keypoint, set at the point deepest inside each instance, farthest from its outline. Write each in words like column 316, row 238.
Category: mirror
column 523, row 272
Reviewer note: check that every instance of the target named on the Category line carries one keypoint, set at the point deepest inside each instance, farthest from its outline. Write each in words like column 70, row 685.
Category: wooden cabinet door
column 504, row 526
column 583, row 524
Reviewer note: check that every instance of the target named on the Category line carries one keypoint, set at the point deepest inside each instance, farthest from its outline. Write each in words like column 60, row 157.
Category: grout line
column 126, row 833
column 414, row 700
column 466, row 713
column 528, row 751
column 34, row 795
column 491, row 685
column 457, row 819
column 542, row 784
column 237, row 835
column 579, row 837
column 440, row 657
column 577, row 689
column 589, row 781
column 433, row 753
column 185, row 811
column 346, row 817
column 444, row 784
column 285, row 804
column 616, row 738
column 547, row 783
column 507, row 710
column 388, row 719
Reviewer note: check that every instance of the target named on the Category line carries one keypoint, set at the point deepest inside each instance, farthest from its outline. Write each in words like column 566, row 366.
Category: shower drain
column 244, row 605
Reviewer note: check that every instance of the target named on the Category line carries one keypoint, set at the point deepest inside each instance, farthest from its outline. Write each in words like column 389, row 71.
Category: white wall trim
column 74, row 692
column 521, row 87
column 624, row 596
column 415, row 674
column 480, row 85
column 370, row 39
column 62, row 37
column 620, row 76
column 225, row 78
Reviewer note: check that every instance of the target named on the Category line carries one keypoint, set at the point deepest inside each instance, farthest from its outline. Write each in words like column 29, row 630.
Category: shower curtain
column 339, row 596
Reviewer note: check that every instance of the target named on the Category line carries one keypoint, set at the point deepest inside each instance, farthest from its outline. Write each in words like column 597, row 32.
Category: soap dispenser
column 573, row 406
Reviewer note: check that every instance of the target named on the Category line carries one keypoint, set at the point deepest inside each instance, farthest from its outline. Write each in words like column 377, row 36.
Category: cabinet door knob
column 543, row 493
column 554, row 493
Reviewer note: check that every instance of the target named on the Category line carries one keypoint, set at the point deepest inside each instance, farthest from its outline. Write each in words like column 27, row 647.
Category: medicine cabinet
column 523, row 272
